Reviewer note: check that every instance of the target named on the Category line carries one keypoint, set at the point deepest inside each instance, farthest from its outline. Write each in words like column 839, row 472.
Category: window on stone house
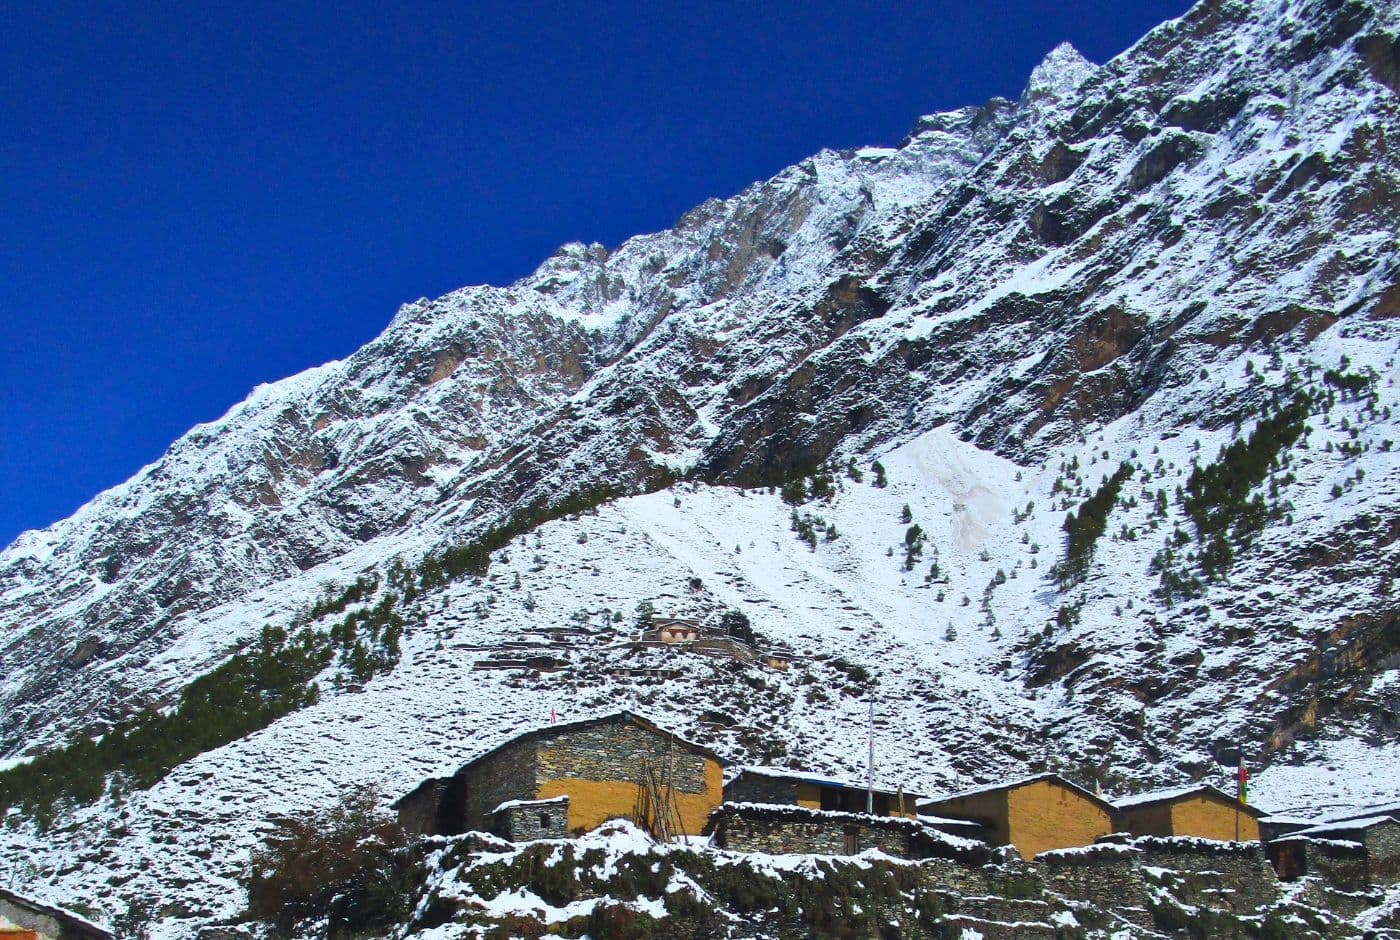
column 544, row 820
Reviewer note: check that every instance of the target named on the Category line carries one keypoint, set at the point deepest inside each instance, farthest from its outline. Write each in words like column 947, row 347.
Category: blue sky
column 197, row 200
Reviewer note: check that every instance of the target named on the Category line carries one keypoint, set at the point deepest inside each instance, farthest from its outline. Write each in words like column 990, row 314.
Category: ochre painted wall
column 594, row 802
column 1212, row 818
column 1045, row 815
column 986, row 808
column 809, row 795
column 1152, row 820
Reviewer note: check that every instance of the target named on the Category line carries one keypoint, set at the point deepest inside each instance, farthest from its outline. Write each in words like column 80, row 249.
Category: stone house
column 1034, row 814
column 1351, row 853
column 672, row 630
column 526, row 820
column 1201, row 811
column 619, row 765
column 23, row 918
column 787, row 829
column 778, row 660
column 799, row 788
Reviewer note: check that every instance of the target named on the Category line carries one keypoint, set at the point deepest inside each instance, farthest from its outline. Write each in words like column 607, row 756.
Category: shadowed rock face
column 1018, row 271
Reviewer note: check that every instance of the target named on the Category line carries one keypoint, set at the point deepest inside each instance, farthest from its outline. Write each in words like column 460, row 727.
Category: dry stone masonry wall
column 618, row 751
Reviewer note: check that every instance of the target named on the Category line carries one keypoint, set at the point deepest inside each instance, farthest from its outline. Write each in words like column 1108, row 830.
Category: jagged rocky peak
column 564, row 266
column 1059, row 75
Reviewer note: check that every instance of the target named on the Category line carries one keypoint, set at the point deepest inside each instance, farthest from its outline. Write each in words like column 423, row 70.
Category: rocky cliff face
column 1135, row 261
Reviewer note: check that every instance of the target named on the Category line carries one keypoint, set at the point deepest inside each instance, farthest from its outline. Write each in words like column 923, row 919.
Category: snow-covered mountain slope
column 951, row 707
column 1141, row 261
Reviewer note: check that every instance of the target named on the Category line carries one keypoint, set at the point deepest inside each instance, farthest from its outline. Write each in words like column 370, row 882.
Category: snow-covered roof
column 1155, row 796
column 516, row 804
column 1169, row 794
column 1349, row 825
column 1016, row 783
column 565, row 726
column 1287, row 821
column 937, row 821
column 1373, row 811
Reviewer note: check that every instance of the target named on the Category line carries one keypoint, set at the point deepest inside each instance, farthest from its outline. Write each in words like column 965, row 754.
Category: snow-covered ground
column 1125, row 265
column 949, row 713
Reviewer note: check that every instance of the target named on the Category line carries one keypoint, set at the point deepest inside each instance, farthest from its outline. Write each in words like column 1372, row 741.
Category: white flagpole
column 870, row 762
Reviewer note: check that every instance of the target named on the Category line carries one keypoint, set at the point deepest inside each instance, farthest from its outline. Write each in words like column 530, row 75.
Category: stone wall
column 1382, row 843
column 837, row 836
column 49, row 923
column 1233, row 876
column 1010, row 878
column 418, row 812
column 758, row 788
column 540, row 819
column 47, row 927
column 1095, row 873
column 508, row 773
column 597, row 765
column 616, row 751
column 1339, row 864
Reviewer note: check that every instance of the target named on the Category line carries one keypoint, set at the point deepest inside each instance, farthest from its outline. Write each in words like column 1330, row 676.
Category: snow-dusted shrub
column 346, row 868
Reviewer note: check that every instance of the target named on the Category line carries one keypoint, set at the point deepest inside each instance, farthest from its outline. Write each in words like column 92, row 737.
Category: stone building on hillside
column 779, row 660
column 1035, row 814
column 23, row 918
column 1202, row 811
column 799, row 788
column 1351, row 854
column 620, row 765
column 674, row 630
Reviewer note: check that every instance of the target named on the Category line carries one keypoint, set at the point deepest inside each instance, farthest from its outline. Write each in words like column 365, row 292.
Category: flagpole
column 870, row 762
column 1241, row 775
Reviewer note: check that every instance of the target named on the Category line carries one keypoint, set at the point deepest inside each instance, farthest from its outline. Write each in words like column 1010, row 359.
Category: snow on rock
column 1139, row 262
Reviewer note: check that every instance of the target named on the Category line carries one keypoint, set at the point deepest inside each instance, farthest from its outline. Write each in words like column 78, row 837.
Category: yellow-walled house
column 1034, row 814
column 569, row 778
column 1200, row 810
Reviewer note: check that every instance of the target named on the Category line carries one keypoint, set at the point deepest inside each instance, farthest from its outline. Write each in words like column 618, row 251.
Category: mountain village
column 1087, row 850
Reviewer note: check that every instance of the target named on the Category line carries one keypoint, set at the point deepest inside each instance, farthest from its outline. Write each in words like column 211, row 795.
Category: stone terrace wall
column 1094, row 873
column 1339, row 864
column 815, row 837
column 1005, row 878
column 1237, row 875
